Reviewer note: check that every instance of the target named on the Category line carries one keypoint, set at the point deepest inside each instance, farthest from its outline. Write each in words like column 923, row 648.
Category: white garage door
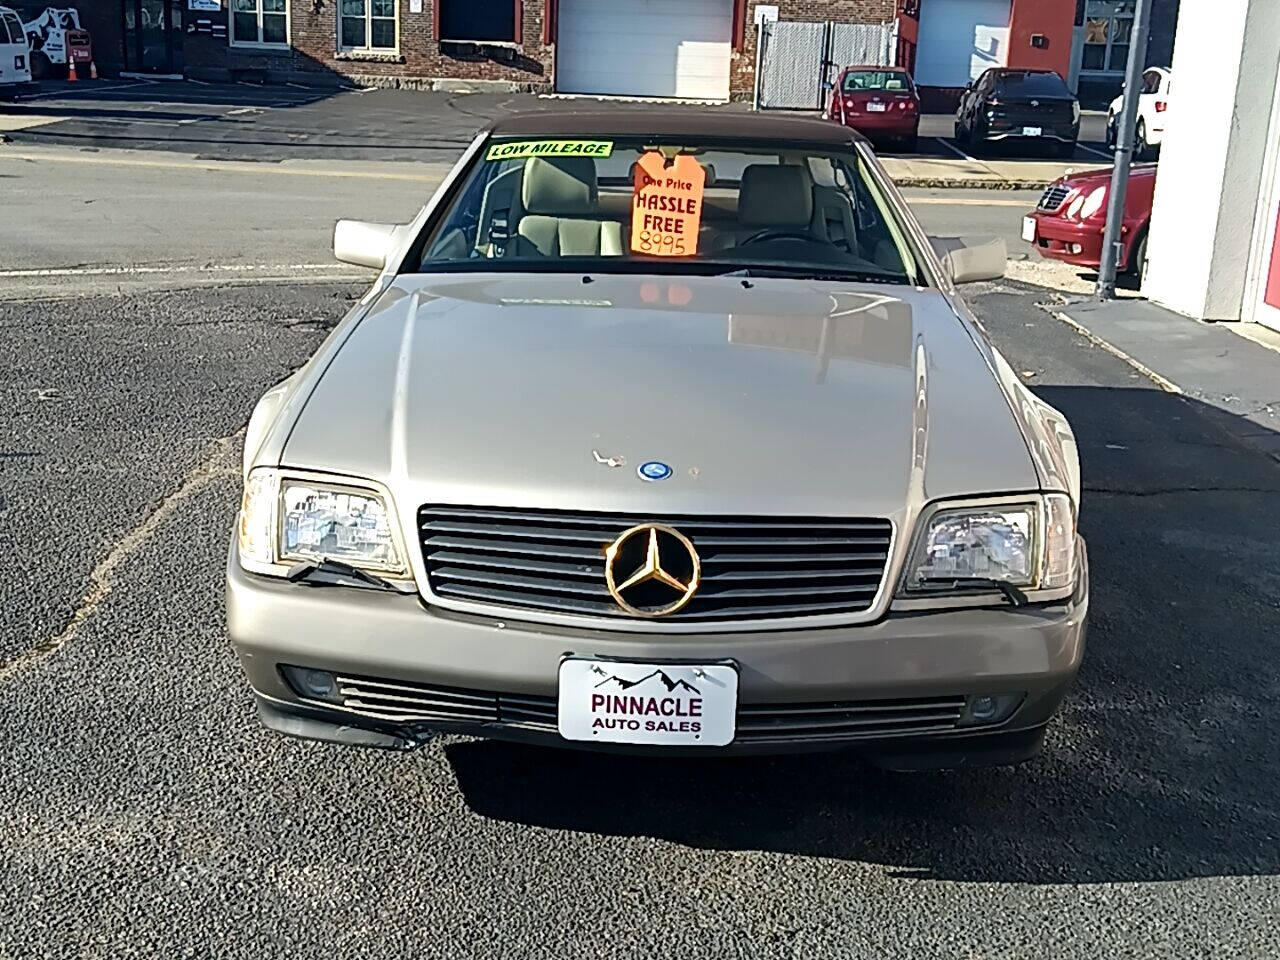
column 645, row 48
column 959, row 39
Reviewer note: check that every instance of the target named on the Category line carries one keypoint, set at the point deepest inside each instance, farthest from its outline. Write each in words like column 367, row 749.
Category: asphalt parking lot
column 264, row 123
column 148, row 814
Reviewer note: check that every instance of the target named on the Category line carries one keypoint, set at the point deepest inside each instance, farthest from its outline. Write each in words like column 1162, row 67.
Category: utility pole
column 1111, row 248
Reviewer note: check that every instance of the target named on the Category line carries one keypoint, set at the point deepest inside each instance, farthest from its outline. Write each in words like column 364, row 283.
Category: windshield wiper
column 810, row 272
column 1011, row 593
column 329, row 572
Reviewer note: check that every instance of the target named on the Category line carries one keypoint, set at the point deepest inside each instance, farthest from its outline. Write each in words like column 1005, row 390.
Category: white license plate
column 1031, row 131
column 609, row 701
column 875, row 108
column 1029, row 229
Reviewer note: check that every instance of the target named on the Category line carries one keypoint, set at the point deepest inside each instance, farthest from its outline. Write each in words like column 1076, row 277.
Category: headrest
column 560, row 186
column 774, row 195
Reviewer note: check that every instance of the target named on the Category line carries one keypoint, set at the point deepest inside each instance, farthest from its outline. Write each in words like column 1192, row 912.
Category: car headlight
column 287, row 519
column 1093, row 202
column 1027, row 544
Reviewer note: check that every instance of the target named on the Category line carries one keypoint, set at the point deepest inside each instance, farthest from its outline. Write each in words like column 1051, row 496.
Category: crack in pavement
column 222, row 462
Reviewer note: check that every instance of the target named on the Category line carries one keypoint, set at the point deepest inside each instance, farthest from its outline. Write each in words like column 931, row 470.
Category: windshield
column 888, row 80
column 627, row 205
column 14, row 33
column 1021, row 84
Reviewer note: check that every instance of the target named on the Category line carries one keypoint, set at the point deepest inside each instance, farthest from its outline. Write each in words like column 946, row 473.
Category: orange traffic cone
column 93, row 70
column 71, row 73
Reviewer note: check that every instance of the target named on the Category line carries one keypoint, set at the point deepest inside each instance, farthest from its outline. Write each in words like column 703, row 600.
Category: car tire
column 1137, row 267
column 1140, row 146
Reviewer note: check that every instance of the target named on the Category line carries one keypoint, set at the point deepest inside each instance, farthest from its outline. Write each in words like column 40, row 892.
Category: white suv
column 15, row 55
column 1153, row 102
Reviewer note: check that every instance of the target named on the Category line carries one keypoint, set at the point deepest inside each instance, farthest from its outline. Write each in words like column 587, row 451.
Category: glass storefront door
column 152, row 35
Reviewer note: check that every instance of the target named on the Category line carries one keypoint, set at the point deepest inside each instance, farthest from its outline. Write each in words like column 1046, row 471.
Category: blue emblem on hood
column 654, row 470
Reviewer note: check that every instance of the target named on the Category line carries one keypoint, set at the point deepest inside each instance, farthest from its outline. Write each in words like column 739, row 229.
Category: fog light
column 314, row 684
column 984, row 708
column 989, row 708
column 1075, row 248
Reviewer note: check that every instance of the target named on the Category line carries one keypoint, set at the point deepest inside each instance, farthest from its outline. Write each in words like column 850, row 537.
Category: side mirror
column 970, row 259
column 364, row 244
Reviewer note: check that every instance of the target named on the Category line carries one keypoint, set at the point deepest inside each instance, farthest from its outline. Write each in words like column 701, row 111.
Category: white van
column 15, row 55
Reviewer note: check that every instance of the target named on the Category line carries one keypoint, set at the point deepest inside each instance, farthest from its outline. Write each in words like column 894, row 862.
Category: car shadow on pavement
column 1162, row 765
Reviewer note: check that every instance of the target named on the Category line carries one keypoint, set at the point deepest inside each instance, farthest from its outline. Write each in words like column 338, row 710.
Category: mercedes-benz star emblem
column 652, row 570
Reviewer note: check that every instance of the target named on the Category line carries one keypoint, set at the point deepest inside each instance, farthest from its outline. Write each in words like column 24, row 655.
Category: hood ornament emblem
column 654, row 470
column 660, row 570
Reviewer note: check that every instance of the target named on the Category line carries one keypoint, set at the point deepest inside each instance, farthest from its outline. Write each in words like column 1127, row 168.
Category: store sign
column 205, row 6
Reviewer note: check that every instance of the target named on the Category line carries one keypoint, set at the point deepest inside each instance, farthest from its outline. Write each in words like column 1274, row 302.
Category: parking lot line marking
column 954, row 149
column 86, row 94
column 221, row 462
column 221, row 166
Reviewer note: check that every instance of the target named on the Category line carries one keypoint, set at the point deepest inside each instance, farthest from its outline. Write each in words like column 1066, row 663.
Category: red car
column 1068, row 221
column 881, row 103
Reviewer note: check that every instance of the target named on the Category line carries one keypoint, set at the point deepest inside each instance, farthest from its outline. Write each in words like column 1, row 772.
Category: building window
column 1107, row 27
column 478, row 20
column 368, row 25
column 260, row 23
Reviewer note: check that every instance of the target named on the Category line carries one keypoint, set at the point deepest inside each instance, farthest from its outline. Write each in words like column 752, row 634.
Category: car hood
column 773, row 397
column 1088, row 179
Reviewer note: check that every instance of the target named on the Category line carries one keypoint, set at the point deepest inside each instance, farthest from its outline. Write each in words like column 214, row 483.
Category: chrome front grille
column 1053, row 197
column 408, row 703
column 752, row 567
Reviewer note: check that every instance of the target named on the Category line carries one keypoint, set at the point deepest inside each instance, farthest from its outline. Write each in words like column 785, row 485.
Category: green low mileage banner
column 519, row 150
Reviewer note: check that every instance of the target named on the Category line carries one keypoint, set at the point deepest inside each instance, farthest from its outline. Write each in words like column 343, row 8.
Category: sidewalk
column 1233, row 367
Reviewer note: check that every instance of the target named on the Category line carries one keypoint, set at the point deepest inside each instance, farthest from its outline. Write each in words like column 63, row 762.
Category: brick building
column 699, row 49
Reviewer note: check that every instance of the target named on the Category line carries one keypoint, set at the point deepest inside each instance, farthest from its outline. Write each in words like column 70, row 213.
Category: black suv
column 1018, row 106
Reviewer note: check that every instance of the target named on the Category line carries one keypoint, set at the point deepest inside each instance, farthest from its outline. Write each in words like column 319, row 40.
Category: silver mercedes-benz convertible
column 662, row 431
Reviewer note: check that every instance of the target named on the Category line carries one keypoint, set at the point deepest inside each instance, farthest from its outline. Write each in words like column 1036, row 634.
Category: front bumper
column 902, row 659
column 1057, row 238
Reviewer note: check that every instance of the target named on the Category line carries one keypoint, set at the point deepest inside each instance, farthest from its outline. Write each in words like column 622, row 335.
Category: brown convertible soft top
column 660, row 122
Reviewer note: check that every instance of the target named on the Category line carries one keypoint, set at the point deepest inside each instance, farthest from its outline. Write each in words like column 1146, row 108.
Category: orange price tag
column 666, row 207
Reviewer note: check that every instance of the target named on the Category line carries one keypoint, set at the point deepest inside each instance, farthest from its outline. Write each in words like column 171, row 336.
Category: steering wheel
column 773, row 233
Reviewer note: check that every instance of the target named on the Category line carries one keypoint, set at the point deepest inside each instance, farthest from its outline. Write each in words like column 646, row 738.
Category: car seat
column 559, row 198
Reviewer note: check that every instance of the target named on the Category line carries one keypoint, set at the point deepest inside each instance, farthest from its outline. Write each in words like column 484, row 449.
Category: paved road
column 147, row 814
column 242, row 121
column 111, row 220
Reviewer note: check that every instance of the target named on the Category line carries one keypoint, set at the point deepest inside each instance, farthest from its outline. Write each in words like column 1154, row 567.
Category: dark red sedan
column 881, row 103
column 1068, row 221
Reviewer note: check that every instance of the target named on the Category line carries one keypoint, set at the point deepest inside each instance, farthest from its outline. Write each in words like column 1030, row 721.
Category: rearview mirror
column 970, row 259
column 364, row 244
